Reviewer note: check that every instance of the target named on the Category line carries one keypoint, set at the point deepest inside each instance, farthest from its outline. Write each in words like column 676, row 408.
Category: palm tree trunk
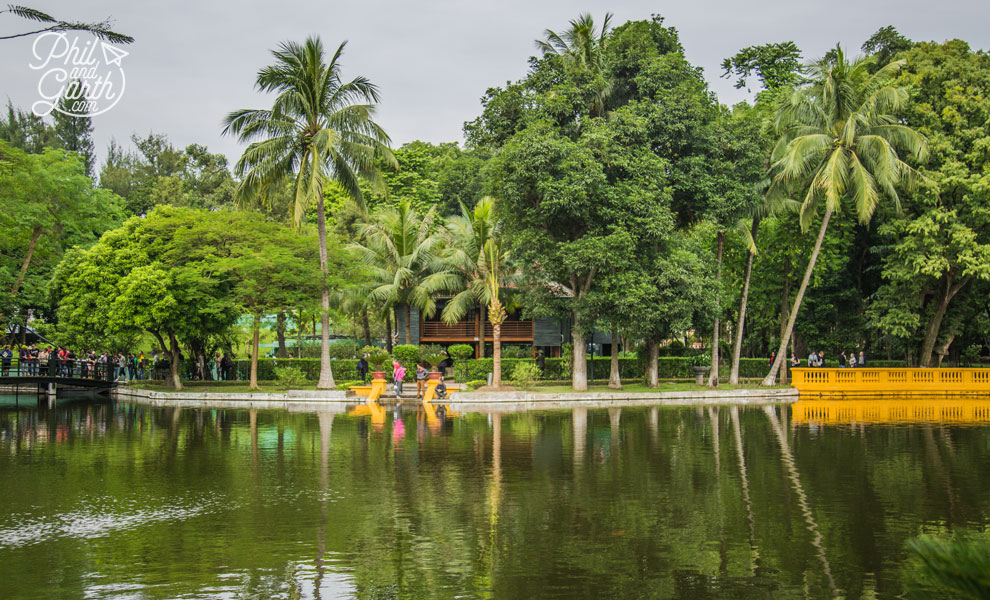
column 326, row 381
column 741, row 323
column 614, row 381
column 497, row 355
column 255, row 330
column 713, row 375
column 366, row 326
column 481, row 331
column 388, row 331
column 771, row 377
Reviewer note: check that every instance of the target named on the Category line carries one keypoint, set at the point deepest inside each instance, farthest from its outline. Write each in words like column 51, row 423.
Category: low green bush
column 289, row 376
column 476, row 383
column 461, row 352
column 525, row 374
column 345, row 349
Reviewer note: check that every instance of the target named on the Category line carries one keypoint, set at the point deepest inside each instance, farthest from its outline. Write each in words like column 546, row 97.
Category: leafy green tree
column 939, row 247
column 399, row 251
column 839, row 140
column 74, row 133
column 47, row 205
column 775, row 65
column 27, row 131
column 582, row 48
column 319, row 129
column 272, row 270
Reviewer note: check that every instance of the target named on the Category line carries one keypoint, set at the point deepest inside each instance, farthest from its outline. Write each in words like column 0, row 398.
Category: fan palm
column 839, row 141
column 319, row 129
column 399, row 252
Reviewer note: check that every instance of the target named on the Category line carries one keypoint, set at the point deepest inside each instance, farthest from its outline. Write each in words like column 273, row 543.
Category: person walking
column 142, row 363
column 821, row 359
column 121, row 367
column 813, row 359
column 398, row 374
column 421, row 373
column 6, row 356
column 362, row 368
column 842, row 359
column 852, row 359
column 862, row 360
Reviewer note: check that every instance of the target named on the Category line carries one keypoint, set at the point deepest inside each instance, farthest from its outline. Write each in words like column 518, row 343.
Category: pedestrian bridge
column 858, row 381
column 75, row 374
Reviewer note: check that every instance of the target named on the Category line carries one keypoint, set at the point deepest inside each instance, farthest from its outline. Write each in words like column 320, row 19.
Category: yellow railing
column 895, row 381
column 943, row 411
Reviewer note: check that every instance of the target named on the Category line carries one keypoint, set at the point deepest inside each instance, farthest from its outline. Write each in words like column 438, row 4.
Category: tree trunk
column 326, row 381
column 35, row 234
column 614, row 380
column 935, row 323
column 652, row 363
column 299, row 333
column 741, row 323
column 408, row 324
column 497, row 355
column 771, row 377
column 784, row 316
column 175, row 356
column 280, row 332
column 388, row 331
column 579, row 354
column 481, row 331
column 366, row 326
column 256, row 330
column 713, row 375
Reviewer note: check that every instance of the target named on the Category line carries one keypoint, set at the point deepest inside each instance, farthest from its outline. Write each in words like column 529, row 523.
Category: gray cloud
column 192, row 63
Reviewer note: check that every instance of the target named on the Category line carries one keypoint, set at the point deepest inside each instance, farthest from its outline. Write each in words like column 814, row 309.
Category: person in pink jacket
column 398, row 374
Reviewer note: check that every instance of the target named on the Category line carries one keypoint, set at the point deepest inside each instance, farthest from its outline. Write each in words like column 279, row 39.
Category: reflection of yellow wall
column 902, row 381
column 948, row 411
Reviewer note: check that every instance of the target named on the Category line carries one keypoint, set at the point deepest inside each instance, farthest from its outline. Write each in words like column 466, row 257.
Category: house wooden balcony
column 467, row 331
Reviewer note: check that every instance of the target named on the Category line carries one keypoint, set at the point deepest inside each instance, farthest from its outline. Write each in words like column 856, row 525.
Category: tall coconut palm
column 399, row 251
column 467, row 234
column 839, row 141
column 582, row 46
column 319, row 129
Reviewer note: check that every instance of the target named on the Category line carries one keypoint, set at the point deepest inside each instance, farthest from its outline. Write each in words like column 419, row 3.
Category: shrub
column 567, row 356
column 345, row 349
column 289, row 376
column 408, row 356
column 432, row 354
column 517, row 351
column 525, row 374
column 461, row 352
column 377, row 357
column 476, row 383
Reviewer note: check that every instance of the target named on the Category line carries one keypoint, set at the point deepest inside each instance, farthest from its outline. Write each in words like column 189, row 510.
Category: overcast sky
column 433, row 60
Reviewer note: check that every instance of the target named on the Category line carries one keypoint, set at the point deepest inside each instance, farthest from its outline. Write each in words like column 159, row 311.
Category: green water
column 126, row 501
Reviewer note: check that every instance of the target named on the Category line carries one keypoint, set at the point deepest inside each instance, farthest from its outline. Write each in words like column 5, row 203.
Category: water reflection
column 428, row 502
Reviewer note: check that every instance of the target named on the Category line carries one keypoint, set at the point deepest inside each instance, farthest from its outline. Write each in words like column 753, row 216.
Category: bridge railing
column 67, row 369
column 902, row 380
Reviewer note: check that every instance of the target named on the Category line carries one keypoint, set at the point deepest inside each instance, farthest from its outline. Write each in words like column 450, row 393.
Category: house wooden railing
column 512, row 330
column 468, row 331
column 861, row 381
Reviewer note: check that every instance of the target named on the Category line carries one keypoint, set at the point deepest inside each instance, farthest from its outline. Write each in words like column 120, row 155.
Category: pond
column 116, row 500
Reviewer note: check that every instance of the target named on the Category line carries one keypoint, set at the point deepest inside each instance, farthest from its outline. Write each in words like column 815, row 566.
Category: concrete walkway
column 309, row 400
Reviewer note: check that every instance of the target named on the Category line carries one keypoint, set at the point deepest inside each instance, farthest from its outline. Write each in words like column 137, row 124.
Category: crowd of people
column 850, row 360
column 57, row 361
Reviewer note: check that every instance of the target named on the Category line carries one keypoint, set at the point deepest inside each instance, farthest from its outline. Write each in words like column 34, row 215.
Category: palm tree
column 582, row 46
column 319, row 129
column 400, row 254
column 467, row 235
column 839, row 140
column 476, row 254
